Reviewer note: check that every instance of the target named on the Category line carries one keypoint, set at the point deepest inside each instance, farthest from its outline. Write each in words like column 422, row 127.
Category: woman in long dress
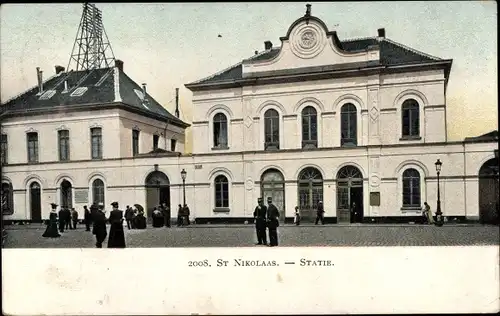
column 52, row 230
column 116, row 234
column 157, row 218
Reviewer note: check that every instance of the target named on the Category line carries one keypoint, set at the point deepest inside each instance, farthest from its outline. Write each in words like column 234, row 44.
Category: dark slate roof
column 100, row 84
column 391, row 53
column 493, row 135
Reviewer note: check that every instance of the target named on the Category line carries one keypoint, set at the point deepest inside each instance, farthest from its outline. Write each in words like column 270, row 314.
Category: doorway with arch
column 35, row 202
column 157, row 191
column 349, row 195
column 488, row 192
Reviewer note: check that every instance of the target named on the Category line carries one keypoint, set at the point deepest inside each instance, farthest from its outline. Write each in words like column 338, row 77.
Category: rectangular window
column 96, row 142
column 173, row 143
column 135, row 142
column 63, row 137
column 32, row 141
column 156, row 139
column 4, row 149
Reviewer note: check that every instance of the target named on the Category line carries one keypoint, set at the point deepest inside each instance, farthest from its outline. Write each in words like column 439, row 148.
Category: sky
column 167, row 45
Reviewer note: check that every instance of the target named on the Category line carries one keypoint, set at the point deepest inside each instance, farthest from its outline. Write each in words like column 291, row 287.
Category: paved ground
column 244, row 235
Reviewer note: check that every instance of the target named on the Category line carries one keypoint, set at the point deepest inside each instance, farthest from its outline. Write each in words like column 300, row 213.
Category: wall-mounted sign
column 81, row 196
column 198, row 166
column 374, row 198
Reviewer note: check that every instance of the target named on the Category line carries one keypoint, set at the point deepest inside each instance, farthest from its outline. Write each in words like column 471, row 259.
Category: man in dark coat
column 320, row 214
column 129, row 216
column 116, row 235
column 187, row 213
column 87, row 218
column 166, row 214
column 180, row 212
column 259, row 215
column 67, row 217
column 99, row 230
column 62, row 219
column 272, row 222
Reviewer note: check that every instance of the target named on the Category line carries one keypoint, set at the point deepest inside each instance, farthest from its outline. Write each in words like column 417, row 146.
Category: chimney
column 268, row 45
column 59, row 69
column 65, row 86
column 119, row 64
column 177, row 102
column 308, row 10
column 40, row 80
column 144, row 92
column 381, row 32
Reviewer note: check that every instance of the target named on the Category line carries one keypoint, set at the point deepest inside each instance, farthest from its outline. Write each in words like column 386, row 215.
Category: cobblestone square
column 30, row 236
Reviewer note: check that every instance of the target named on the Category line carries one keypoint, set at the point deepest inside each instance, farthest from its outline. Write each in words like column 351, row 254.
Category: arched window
column 411, row 118
column 7, row 199
column 348, row 125
column 272, row 129
column 220, row 131
column 309, row 127
column 411, row 188
column 98, row 191
column 221, row 192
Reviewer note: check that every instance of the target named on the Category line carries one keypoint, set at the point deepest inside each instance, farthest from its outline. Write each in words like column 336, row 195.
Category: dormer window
column 47, row 95
column 79, row 91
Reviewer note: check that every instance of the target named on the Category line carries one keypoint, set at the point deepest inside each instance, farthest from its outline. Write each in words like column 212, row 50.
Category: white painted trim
column 116, row 77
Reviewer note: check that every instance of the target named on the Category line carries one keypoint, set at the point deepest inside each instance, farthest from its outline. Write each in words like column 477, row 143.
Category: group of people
column 97, row 218
column 266, row 217
column 320, row 215
column 135, row 218
column 161, row 216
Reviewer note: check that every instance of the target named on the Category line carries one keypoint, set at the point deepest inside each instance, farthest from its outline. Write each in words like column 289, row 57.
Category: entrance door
column 310, row 193
column 157, row 191
column 489, row 212
column 66, row 196
column 349, row 195
column 273, row 185
column 35, row 202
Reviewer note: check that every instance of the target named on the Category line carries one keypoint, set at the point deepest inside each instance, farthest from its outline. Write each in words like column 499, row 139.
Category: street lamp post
column 183, row 175
column 439, row 214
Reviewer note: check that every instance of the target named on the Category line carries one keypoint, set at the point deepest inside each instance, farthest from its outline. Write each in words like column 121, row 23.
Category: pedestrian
column 87, row 217
column 62, row 219
column 51, row 230
column 187, row 213
column 116, row 235
column 296, row 219
column 129, row 216
column 99, row 229
column 157, row 218
column 320, row 214
column 67, row 218
column 426, row 212
column 74, row 217
column 166, row 214
column 259, row 215
column 272, row 222
column 179, row 215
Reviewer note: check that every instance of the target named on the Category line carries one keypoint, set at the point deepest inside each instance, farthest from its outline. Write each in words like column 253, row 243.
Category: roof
column 493, row 135
column 89, row 87
column 391, row 53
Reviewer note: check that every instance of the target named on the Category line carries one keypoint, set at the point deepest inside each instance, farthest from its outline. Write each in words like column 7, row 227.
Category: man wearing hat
column 99, row 230
column 273, row 222
column 116, row 235
column 320, row 214
column 260, row 222
column 62, row 219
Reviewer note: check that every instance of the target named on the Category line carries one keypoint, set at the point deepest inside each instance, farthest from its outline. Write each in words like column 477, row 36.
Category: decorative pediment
column 136, row 128
column 31, row 130
column 309, row 45
column 62, row 128
column 94, row 125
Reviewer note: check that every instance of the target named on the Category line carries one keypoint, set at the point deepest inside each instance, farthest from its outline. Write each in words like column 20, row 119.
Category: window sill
column 409, row 209
column 96, row 158
column 220, row 148
column 404, row 138
column 221, row 210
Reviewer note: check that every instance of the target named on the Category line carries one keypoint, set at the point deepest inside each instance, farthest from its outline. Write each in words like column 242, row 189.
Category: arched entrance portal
column 310, row 184
column 157, row 191
column 35, row 202
column 66, row 196
column 488, row 192
column 349, row 195
column 272, row 184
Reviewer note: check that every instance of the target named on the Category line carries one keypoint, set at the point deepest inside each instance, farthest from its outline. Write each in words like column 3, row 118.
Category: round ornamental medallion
column 308, row 39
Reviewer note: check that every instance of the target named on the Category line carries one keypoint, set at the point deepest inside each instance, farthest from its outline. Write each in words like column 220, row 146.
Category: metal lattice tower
column 91, row 49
